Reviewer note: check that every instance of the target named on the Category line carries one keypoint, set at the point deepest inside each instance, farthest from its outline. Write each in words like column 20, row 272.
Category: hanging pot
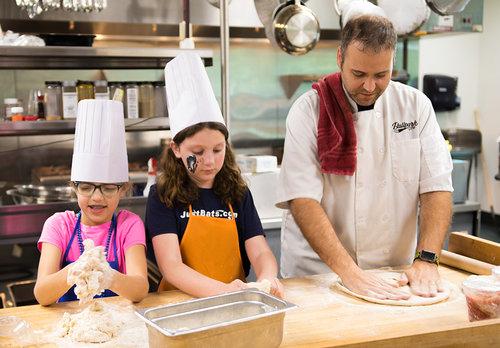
column 447, row 7
column 296, row 28
column 407, row 16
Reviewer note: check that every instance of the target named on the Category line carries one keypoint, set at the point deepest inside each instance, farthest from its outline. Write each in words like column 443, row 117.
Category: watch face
column 427, row 255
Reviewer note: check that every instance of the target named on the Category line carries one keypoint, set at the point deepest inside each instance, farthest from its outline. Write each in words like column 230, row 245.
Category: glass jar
column 146, row 99
column 116, row 91
column 17, row 114
column 70, row 99
column 85, row 90
column 53, row 100
column 132, row 99
column 160, row 99
column 8, row 104
column 101, row 89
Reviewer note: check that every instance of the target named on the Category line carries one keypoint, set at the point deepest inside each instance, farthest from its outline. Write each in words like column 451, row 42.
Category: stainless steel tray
column 247, row 318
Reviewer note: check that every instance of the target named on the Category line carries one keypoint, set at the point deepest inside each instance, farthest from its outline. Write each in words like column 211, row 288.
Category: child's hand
column 236, row 285
column 277, row 288
column 107, row 276
column 91, row 273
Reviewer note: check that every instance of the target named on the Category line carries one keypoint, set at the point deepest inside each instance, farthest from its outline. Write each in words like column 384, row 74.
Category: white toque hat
column 100, row 150
column 350, row 9
column 190, row 97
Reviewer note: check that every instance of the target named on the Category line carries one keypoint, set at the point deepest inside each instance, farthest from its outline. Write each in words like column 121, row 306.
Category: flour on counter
column 91, row 273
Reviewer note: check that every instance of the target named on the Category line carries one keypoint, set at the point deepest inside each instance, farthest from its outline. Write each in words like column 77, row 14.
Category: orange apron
column 210, row 246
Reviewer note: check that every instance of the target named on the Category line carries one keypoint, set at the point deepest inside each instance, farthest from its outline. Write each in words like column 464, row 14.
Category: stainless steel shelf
column 58, row 57
column 68, row 126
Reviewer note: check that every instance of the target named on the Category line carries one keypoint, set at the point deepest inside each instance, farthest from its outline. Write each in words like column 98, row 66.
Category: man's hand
column 368, row 284
column 423, row 278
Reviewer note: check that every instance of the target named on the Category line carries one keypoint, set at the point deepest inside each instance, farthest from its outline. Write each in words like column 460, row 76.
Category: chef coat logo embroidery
column 398, row 127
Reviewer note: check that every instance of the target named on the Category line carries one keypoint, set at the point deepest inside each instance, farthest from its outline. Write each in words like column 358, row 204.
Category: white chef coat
column 401, row 153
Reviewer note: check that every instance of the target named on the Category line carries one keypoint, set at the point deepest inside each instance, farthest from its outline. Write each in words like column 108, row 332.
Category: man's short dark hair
column 374, row 33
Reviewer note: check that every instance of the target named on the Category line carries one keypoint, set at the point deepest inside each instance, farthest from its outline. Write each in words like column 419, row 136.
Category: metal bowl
column 33, row 194
column 44, row 191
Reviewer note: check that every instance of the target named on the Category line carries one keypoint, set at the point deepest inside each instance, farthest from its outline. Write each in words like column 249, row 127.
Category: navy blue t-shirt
column 160, row 219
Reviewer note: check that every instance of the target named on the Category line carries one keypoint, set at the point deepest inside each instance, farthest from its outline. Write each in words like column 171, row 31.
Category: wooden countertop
column 326, row 317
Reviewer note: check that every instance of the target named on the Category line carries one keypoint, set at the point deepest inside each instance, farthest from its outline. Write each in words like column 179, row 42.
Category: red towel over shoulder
column 336, row 133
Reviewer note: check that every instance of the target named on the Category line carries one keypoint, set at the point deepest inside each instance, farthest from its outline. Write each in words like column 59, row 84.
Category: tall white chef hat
column 350, row 9
column 190, row 98
column 100, row 150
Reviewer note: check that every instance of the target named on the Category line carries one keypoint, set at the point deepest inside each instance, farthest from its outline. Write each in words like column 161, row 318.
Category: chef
column 364, row 160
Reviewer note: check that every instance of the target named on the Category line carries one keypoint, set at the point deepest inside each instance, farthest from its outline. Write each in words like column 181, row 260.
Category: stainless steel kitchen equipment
column 247, row 318
column 33, row 194
column 447, row 7
column 296, row 28
column 289, row 25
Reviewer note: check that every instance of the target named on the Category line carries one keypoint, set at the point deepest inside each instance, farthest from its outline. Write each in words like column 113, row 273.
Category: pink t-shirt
column 58, row 229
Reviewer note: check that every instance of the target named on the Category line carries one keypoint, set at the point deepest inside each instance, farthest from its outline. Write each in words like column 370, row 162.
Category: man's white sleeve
column 300, row 175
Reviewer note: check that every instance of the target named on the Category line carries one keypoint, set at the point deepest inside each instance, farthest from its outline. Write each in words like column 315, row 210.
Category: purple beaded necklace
column 79, row 233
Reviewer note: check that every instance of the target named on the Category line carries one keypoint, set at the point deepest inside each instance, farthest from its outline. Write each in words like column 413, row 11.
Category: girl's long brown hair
column 173, row 182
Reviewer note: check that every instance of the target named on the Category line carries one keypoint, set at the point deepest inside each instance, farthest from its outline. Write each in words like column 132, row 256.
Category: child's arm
column 51, row 281
column 168, row 256
column 264, row 263
column 133, row 285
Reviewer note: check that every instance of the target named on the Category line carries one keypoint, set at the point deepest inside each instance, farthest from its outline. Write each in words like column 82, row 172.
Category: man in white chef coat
column 398, row 168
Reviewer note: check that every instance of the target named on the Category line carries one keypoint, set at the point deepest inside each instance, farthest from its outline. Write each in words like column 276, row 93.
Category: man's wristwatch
column 427, row 256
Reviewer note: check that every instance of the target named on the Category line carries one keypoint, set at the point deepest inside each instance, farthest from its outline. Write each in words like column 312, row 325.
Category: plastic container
column 53, row 100
column 17, row 114
column 132, row 100
column 483, row 295
column 101, row 90
column 85, row 90
column 160, row 99
column 70, row 99
column 12, row 327
column 8, row 104
column 146, row 100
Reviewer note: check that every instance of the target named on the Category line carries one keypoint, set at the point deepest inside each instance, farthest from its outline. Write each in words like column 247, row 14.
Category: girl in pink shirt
column 98, row 182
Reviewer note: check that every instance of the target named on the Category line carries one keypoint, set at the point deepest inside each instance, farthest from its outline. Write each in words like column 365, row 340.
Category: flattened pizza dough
column 414, row 300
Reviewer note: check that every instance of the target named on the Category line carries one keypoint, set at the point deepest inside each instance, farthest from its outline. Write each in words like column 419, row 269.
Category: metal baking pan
column 248, row 318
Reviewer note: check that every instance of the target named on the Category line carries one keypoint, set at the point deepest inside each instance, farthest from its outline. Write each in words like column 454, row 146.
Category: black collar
column 365, row 108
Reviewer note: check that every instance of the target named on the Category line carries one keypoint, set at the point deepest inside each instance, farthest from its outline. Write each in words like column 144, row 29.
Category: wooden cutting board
column 326, row 317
